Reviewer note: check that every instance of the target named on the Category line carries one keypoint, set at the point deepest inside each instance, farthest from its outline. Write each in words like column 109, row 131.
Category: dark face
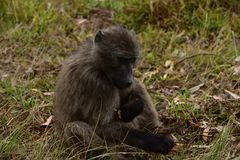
column 122, row 74
column 118, row 52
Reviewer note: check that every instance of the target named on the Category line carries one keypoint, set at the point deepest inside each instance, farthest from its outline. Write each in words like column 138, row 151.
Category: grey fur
column 85, row 96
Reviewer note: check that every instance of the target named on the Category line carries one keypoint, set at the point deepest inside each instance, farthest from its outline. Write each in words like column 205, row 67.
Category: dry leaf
column 219, row 128
column 81, row 21
column 196, row 88
column 177, row 101
column 204, row 124
column 205, row 134
column 218, row 98
column 119, row 114
column 182, row 71
column 236, row 70
column 48, row 121
column 4, row 75
column 48, row 93
column 35, row 90
column 237, row 59
column 169, row 64
column 151, row 73
column 200, row 146
column 232, row 94
column 174, row 138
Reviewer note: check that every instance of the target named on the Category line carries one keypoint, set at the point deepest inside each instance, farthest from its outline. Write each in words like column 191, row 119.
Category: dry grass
column 190, row 65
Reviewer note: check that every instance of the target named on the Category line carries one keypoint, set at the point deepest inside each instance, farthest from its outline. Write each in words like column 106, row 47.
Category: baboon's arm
column 149, row 117
column 146, row 141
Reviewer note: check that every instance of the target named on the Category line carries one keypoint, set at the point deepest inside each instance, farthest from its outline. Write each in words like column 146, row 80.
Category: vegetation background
column 190, row 65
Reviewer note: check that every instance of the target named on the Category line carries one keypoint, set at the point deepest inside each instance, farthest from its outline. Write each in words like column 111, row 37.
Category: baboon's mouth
column 123, row 85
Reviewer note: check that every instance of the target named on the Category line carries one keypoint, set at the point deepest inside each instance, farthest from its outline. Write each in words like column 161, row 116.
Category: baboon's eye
column 123, row 60
column 127, row 60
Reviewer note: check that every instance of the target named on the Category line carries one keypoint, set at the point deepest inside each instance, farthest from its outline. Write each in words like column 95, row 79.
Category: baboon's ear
column 99, row 36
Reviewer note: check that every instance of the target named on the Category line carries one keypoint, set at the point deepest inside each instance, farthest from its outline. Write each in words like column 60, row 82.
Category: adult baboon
column 98, row 98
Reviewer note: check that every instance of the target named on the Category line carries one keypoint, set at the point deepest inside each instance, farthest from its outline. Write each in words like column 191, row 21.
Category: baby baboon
column 97, row 98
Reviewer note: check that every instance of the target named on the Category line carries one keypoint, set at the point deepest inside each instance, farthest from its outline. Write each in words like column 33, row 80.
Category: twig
column 192, row 56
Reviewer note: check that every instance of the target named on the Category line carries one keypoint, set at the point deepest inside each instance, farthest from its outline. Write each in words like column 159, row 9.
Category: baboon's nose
column 129, row 83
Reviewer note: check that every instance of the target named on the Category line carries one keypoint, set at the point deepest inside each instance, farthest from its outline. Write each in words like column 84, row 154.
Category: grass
column 184, row 44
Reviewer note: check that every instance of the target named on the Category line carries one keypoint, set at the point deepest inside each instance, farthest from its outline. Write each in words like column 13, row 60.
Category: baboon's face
column 122, row 74
column 118, row 52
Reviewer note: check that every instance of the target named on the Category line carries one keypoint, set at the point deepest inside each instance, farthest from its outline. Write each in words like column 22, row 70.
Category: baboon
column 98, row 99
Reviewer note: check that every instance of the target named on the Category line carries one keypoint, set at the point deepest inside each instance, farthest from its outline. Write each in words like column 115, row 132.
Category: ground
column 190, row 64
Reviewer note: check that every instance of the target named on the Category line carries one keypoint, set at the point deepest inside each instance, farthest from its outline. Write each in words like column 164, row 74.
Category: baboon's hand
column 162, row 144
column 129, row 111
column 150, row 142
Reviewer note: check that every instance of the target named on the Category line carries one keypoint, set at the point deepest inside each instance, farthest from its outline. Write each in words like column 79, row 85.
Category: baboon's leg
column 80, row 132
column 116, row 132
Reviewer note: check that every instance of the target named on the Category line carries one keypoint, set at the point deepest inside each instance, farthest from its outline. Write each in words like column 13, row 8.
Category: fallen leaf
column 174, row 138
column 48, row 93
column 81, row 21
column 218, row 98
column 196, row 88
column 169, row 64
column 219, row 128
column 4, row 75
column 177, row 101
column 233, row 138
column 204, row 124
column 35, row 90
column 48, row 121
column 119, row 114
column 150, row 73
column 205, row 134
column 232, row 94
column 182, row 71
column 200, row 146
column 237, row 59
column 236, row 70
